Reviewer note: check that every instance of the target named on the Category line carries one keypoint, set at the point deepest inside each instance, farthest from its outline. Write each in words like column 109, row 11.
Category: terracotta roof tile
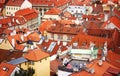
column 64, row 30
column 81, row 2
column 34, row 36
column 10, row 68
column 36, row 55
column 114, row 58
column 45, row 25
column 6, row 55
column 99, row 70
column 54, row 65
column 115, row 21
column 67, row 14
column 14, row 3
column 27, row 13
column 54, row 51
column 53, row 11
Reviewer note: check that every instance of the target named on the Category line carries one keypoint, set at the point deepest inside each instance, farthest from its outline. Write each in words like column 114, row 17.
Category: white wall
column 11, row 10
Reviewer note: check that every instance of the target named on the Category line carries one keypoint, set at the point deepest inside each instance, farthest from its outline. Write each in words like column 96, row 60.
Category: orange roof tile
column 59, row 29
column 53, row 11
column 19, row 47
column 82, row 2
column 5, row 20
column 8, row 72
column 27, row 13
column 114, row 58
column 66, row 22
column 54, row 51
column 34, row 36
column 14, row 3
column 6, row 55
column 36, row 55
column 67, row 14
column 45, row 25
column 54, row 65
column 99, row 70
column 115, row 21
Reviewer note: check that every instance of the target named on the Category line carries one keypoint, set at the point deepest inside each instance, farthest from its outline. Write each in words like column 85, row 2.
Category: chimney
column 13, row 42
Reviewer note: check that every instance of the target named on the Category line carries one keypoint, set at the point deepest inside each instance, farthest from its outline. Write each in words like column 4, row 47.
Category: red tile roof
column 2, row 3
column 114, row 58
column 9, row 69
column 59, row 29
column 6, row 55
column 45, row 25
column 114, row 20
column 81, row 2
column 92, row 25
column 41, row 2
column 14, row 3
column 54, row 51
column 36, row 55
column 53, row 11
column 27, row 13
column 34, row 36
column 54, row 65
column 5, row 20
column 80, row 38
column 67, row 14
column 99, row 70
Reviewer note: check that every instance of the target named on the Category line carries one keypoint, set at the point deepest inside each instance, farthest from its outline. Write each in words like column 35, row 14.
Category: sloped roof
column 36, row 55
column 55, row 49
column 14, row 3
column 45, row 25
column 27, row 13
column 114, row 58
column 53, row 11
column 6, row 55
column 115, row 21
column 99, row 70
column 8, row 72
column 34, row 36
column 81, row 2
column 64, row 30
